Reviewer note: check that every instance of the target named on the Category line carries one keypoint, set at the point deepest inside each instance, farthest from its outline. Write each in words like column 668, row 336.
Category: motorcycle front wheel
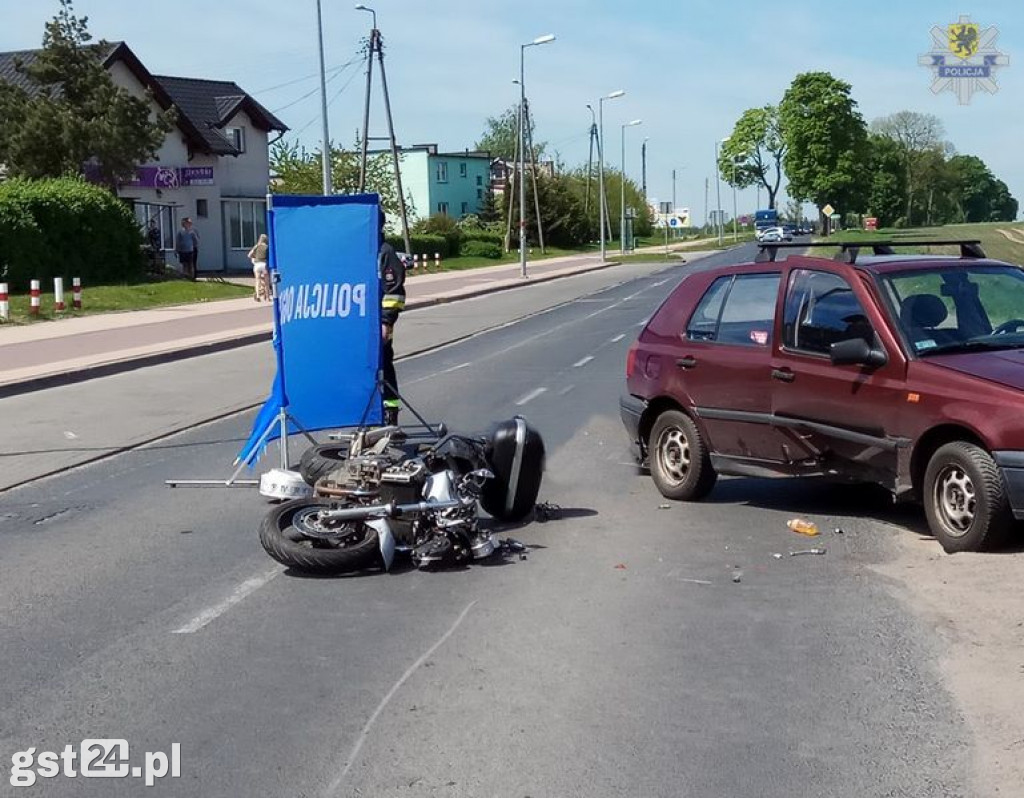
column 295, row 534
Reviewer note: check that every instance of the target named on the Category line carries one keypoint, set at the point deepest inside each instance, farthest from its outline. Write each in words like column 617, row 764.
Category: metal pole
column 718, row 195
column 622, row 196
column 735, row 234
column 643, row 168
column 600, row 172
column 366, row 110
column 394, row 147
column 522, row 162
column 325, row 155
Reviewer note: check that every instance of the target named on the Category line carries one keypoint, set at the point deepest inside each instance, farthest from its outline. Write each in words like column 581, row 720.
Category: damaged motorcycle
column 380, row 493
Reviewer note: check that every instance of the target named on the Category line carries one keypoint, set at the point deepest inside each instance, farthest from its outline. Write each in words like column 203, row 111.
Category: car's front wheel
column 679, row 459
column 964, row 499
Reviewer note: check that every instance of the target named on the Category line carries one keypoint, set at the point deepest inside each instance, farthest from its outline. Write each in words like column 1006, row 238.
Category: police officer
column 392, row 302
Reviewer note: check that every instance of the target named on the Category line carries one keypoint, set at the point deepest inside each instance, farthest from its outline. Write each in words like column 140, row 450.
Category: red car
column 902, row 370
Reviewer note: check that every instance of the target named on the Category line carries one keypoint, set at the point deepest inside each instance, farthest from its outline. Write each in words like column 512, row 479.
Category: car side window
column 821, row 309
column 736, row 310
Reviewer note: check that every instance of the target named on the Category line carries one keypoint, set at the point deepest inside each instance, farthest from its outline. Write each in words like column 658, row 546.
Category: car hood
column 1005, row 366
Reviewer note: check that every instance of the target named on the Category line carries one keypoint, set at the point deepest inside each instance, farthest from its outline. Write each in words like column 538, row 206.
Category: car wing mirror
column 857, row 351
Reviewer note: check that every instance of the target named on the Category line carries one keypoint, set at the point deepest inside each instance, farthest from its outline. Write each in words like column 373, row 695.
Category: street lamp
column 549, row 37
column 718, row 195
column 732, row 160
column 361, row 7
column 622, row 185
column 600, row 171
column 643, row 166
column 674, row 188
column 326, row 152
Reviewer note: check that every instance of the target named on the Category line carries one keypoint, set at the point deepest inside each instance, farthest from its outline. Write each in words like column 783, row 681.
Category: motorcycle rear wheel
column 322, row 459
column 294, row 535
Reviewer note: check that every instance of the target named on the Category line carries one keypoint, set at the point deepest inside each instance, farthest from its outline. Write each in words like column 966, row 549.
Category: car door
column 839, row 416
column 723, row 363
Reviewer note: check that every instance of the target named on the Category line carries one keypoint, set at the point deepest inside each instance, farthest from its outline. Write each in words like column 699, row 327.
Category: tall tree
column 826, row 142
column 295, row 170
column 499, row 139
column 74, row 119
column 886, row 191
column 915, row 135
column 755, row 150
column 979, row 195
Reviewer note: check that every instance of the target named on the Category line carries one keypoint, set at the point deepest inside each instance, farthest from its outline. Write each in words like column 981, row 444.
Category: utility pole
column 325, row 153
column 376, row 46
column 643, row 170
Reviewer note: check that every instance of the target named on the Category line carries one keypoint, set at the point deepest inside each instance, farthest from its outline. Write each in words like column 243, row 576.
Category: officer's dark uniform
column 392, row 302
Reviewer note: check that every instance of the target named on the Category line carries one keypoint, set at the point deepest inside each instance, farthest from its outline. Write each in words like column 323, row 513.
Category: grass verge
column 1000, row 240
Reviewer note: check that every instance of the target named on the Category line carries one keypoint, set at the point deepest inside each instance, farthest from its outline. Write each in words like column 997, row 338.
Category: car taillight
column 631, row 359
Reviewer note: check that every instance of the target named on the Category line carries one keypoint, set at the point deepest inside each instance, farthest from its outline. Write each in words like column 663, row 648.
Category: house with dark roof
column 213, row 167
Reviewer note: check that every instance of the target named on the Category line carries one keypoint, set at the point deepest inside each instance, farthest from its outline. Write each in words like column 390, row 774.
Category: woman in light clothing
column 258, row 256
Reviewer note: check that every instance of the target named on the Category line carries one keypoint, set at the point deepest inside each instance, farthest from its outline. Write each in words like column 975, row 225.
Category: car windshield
column 958, row 308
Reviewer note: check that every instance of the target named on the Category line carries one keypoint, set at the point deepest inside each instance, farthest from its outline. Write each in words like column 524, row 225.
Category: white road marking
column 582, row 362
column 566, row 390
column 530, row 396
column 660, row 282
column 391, row 694
column 212, row 613
column 618, row 338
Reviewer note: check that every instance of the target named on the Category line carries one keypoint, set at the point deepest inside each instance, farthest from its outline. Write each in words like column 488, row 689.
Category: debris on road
column 620, row 567
column 802, row 527
column 776, row 555
column 807, row 551
column 664, row 506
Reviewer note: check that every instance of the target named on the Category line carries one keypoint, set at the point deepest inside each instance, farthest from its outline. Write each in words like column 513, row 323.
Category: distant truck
column 764, row 220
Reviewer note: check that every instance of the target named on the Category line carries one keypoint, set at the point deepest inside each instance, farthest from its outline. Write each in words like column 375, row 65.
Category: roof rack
column 848, row 250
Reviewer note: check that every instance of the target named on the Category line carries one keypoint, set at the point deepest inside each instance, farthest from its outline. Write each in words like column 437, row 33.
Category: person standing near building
column 258, row 255
column 392, row 303
column 185, row 246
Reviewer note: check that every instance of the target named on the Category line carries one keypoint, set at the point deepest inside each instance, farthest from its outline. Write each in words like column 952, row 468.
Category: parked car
column 906, row 371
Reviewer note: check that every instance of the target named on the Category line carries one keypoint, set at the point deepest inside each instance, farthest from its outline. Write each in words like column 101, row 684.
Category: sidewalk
column 43, row 355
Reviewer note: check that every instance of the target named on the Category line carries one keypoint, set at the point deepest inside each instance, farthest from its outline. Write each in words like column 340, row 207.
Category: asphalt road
column 640, row 649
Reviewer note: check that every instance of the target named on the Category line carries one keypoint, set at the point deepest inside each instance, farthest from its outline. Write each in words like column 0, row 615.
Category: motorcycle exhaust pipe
column 389, row 510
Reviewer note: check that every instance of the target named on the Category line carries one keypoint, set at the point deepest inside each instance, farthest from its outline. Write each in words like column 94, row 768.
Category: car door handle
column 783, row 375
column 687, row 362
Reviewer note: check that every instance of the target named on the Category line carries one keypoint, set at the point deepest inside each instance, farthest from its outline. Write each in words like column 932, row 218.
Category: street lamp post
column 718, row 194
column 643, row 167
column 326, row 152
column 622, row 185
column 600, row 172
column 522, row 147
column 735, row 234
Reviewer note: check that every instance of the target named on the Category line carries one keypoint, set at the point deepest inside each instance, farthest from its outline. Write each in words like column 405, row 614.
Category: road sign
column 828, row 210
column 666, row 207
column 673, row 221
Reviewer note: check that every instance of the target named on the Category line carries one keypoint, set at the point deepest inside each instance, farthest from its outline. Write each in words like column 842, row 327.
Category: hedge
column 423, row 245
column 66, row 228
column 481, row 249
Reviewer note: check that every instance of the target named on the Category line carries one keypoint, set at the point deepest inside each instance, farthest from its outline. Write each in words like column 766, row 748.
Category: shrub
column 422, row 244
column 481, row 249
column 66, row 228
column 441, row 225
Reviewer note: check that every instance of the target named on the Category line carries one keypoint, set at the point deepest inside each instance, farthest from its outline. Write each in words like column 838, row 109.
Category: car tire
column 679, row 460
column 964, row 498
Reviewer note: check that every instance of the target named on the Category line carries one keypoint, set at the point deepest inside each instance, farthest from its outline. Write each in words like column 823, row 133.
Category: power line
column 330, row 102
column 330, row 70
column 310, row 93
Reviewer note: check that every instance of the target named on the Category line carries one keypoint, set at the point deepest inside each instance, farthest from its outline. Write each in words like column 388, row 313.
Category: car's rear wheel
column 679, row 460
column 964, row 498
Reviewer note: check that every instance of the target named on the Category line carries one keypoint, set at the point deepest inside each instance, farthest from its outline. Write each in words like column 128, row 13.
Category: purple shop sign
column 171, row 176
column 197, row 176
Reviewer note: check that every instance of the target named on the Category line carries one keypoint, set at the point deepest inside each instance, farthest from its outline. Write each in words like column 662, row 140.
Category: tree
column 886, row 190
column 979, row 195
column 915, row 135
column 74, row 120
column 298, row 171
column 502, row 133
column 756, row 148
column 826, row 142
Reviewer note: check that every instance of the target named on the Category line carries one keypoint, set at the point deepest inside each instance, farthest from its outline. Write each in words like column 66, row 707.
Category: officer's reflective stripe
column 392, row 403
column 393, row 302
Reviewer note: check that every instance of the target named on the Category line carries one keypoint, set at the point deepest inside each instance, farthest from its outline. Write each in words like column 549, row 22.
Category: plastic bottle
column 803, row 527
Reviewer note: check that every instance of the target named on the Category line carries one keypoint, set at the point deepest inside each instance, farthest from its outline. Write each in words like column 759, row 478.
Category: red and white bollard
column 76, row 293
column 415, row 262
column 58, row 294
column 33, row 308
column 5, row 307
column 437, row 261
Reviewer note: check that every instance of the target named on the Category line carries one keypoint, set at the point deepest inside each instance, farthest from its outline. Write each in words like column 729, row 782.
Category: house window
column 479, row 193
column 442, row 208
column 465, row 208
column 202, row 208
column 245, row 220
column 442, row 171
column 236, row 135
column 462, row 170
column 164, row 216
column 479, row 180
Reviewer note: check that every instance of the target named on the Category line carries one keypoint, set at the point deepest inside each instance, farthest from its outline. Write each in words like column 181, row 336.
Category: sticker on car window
column 759, row 337
column 927, row 343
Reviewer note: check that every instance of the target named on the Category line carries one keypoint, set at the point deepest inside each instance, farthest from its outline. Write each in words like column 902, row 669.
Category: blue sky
column 689, row 69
